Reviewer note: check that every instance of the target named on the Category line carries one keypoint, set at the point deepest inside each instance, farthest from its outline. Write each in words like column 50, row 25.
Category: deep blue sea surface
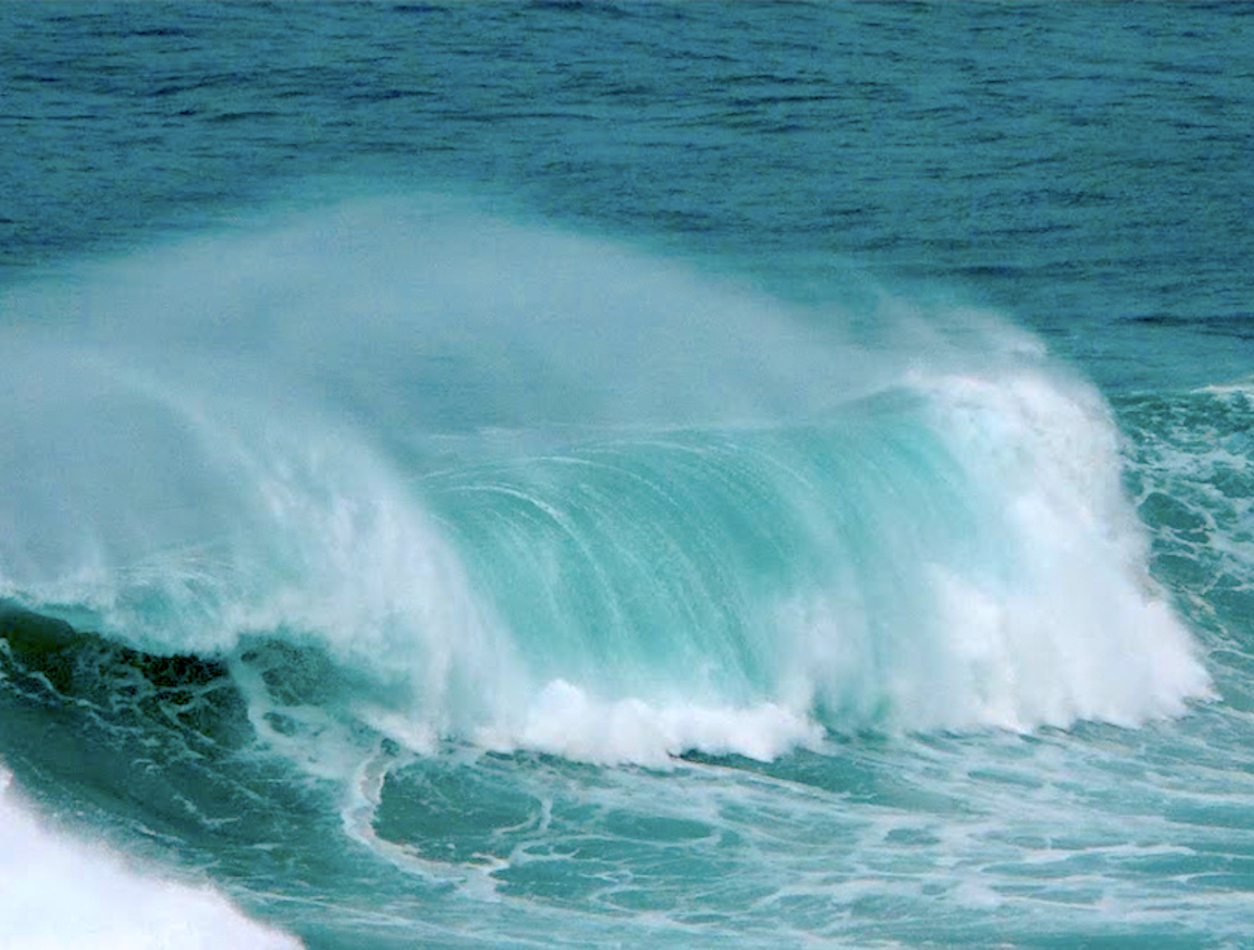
column 627, row 475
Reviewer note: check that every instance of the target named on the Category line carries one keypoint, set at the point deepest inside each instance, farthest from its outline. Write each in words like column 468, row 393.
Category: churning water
column 612, row 475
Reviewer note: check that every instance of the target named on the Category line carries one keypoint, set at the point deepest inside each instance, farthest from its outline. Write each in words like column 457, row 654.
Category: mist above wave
column 526, row 478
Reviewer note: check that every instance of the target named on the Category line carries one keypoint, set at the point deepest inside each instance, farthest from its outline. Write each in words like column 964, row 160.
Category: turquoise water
column 626, row 476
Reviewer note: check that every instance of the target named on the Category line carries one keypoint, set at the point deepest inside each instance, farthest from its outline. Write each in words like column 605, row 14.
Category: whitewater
column 409, row 540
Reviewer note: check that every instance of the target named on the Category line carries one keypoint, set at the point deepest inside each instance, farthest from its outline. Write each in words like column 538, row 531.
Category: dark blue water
column 627, row 475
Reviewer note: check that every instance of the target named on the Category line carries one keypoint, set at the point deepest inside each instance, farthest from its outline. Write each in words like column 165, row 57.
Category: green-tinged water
column 669, row 475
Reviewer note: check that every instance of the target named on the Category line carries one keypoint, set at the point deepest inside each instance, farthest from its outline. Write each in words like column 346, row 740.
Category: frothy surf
column 542, row 492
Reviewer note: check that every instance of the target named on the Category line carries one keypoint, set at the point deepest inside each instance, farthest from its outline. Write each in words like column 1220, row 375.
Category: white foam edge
column 565, row 720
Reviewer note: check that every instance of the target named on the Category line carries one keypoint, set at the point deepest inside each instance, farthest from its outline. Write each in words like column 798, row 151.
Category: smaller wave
column 1239, row 387
column 566, row 721
column 60, row 892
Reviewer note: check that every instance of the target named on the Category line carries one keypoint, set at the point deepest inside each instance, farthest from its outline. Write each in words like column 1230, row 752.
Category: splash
column 541, row 491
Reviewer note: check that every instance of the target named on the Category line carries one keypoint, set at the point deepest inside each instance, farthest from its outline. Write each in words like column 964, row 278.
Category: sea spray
column 510, row 476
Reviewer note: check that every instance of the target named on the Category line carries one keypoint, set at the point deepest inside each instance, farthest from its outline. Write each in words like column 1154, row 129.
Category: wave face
column 538, row 492
column 416, row 578
column 496, row 476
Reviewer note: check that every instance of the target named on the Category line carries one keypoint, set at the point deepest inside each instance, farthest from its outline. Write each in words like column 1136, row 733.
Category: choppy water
column 626, row 475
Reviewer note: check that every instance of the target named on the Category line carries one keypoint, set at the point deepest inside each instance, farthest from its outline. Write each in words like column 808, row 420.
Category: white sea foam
column 566, row 721
column 237, row 460
column 1070, row 626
